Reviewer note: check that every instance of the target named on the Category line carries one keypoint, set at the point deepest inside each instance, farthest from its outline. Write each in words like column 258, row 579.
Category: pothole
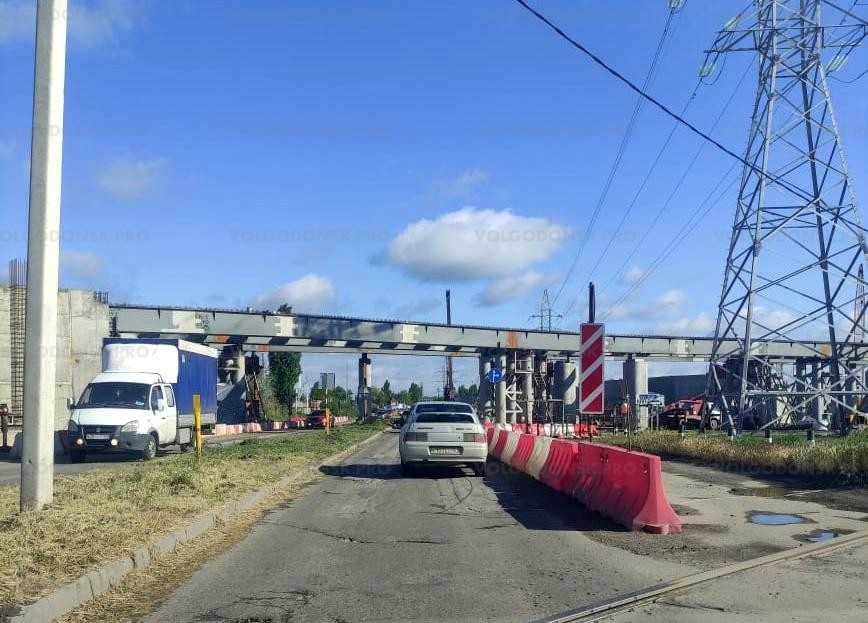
column 820, row 535
column 763, row 518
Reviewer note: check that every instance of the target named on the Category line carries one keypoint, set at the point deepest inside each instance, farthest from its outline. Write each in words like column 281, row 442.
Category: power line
column 686, row 229
column 622, row 148
column 678, row 185
column 596, row 59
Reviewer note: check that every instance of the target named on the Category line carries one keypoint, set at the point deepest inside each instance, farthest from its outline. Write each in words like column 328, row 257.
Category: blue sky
column 360, row 157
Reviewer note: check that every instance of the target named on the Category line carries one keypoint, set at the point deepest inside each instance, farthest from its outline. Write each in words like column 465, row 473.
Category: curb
column 98, row 581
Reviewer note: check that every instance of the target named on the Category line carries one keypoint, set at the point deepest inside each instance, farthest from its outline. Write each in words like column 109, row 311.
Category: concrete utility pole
column 43, row 255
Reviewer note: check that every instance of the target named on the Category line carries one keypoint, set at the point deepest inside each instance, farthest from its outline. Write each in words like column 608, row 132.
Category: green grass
column 103, row 513
column 833, row 460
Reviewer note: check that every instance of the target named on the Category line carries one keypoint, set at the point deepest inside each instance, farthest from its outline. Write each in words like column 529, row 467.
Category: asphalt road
column 10, row 469
column 365, row 544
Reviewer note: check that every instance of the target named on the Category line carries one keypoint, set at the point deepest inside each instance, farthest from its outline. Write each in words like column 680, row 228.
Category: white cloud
column 464, row 184
column 130, row 179
column 82, row 264
column 511, row 288
column 470, row 244
column 411, row 310
column 633, row 275
column 700, row 325
column 90, row 24
column 308, row 293
column 667, row 306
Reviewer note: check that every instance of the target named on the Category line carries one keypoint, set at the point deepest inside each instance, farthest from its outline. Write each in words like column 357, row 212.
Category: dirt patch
column 685, row 548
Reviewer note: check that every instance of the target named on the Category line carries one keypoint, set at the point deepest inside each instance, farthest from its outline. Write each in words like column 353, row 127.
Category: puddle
column 774, row 519
column 818, row 536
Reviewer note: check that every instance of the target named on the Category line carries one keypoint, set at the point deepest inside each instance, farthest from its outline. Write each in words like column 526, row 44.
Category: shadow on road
column 392, row 471
column 530, row 503
column 537, row 507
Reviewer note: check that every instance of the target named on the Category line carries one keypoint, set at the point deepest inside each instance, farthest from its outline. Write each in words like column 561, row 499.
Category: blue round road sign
column 495, row 375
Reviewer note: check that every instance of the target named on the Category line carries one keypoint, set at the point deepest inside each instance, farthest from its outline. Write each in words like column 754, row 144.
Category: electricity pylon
column 797, row 243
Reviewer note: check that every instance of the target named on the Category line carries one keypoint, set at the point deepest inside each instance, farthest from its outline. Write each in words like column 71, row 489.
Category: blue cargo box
column 197, row 372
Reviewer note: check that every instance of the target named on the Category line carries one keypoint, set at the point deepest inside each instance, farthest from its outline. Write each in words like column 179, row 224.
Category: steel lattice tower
column 798, row 244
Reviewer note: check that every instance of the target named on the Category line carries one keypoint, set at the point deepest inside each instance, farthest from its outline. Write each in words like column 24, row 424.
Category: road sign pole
column 43, row 255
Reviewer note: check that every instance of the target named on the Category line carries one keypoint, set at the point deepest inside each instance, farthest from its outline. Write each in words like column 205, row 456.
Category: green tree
column 415, row 393
column 386, row 393
column 284, row 369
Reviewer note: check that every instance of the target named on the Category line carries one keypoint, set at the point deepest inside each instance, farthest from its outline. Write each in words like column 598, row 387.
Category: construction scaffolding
column 17, row 297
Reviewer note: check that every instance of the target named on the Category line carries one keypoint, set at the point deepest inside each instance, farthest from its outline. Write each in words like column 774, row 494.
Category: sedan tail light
column 474, row 437
column 416, row 437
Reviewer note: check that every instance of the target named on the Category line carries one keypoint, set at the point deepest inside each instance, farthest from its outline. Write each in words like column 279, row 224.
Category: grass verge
column 832, row 461
column 106, row 512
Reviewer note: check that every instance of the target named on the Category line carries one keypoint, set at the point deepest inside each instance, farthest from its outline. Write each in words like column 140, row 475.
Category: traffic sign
column 495, row 375
column 591, row 379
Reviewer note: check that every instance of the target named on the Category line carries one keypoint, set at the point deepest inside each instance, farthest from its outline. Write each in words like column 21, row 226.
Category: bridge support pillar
column 527, row 387
column 500, row 392
column 511, row 390
column 566, row 383
column 636, row 380
column 363, row 395
column 485, row 386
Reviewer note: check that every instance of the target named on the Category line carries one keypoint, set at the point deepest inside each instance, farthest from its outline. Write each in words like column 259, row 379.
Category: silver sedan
column 443, row 438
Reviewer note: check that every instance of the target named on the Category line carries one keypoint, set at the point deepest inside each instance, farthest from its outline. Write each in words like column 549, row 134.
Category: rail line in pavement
column 600, row 610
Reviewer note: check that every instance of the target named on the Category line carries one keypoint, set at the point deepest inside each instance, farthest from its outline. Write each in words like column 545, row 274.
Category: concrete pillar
column 566, row 385
column 239, row 371
column 510, row 394
column 363, row 394
column 527, row 388
column 43, row 258
column 484, row 400
column 636, row 379
column 500, row 393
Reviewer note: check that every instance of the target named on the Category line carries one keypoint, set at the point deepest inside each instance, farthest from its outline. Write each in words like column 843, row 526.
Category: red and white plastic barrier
column 267, row 425
column 623, row 485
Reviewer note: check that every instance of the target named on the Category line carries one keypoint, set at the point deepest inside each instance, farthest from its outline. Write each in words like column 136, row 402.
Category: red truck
column 689, row 411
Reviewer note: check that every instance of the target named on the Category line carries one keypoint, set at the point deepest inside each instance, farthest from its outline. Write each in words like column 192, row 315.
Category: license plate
column 96, row 436
column 446, row 451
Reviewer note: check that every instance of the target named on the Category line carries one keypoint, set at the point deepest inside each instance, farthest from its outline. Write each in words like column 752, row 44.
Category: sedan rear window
column 445, row 418
column 455, row 407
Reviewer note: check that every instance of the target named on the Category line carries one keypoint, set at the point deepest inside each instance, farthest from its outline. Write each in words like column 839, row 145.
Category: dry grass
column 136, row 594
column 833, row 460
column 101, row 514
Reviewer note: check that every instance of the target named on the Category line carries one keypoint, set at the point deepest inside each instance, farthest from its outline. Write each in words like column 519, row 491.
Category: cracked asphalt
column 365, row 544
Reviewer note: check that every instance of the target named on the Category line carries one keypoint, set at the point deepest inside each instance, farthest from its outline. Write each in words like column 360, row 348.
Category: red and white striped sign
column 591, row 381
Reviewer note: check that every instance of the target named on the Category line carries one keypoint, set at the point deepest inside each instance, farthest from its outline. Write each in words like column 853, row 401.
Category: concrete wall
column 82, row 323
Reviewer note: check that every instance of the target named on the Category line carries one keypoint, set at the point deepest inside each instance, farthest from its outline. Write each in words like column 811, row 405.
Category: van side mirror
column 70, row 404
column 161, row 404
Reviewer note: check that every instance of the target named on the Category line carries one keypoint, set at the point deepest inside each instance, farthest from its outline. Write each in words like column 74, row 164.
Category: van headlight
column 130, row 427
column 72, row 427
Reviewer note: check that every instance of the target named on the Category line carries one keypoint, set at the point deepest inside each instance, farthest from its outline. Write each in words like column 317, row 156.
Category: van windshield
column 122, row 395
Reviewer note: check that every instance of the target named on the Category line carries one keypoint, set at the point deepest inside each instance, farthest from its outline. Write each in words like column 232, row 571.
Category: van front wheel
column 150, row 450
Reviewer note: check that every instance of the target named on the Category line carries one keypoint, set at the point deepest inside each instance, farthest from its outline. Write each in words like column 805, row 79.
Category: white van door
column 160, row 414
column 171, row 413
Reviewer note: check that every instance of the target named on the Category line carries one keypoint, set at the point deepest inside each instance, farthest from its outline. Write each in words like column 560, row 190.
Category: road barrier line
column 609, row 607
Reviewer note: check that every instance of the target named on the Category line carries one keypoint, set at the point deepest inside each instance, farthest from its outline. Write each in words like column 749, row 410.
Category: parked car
column 317, row 419
column 399, row 420
column 443, row 433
